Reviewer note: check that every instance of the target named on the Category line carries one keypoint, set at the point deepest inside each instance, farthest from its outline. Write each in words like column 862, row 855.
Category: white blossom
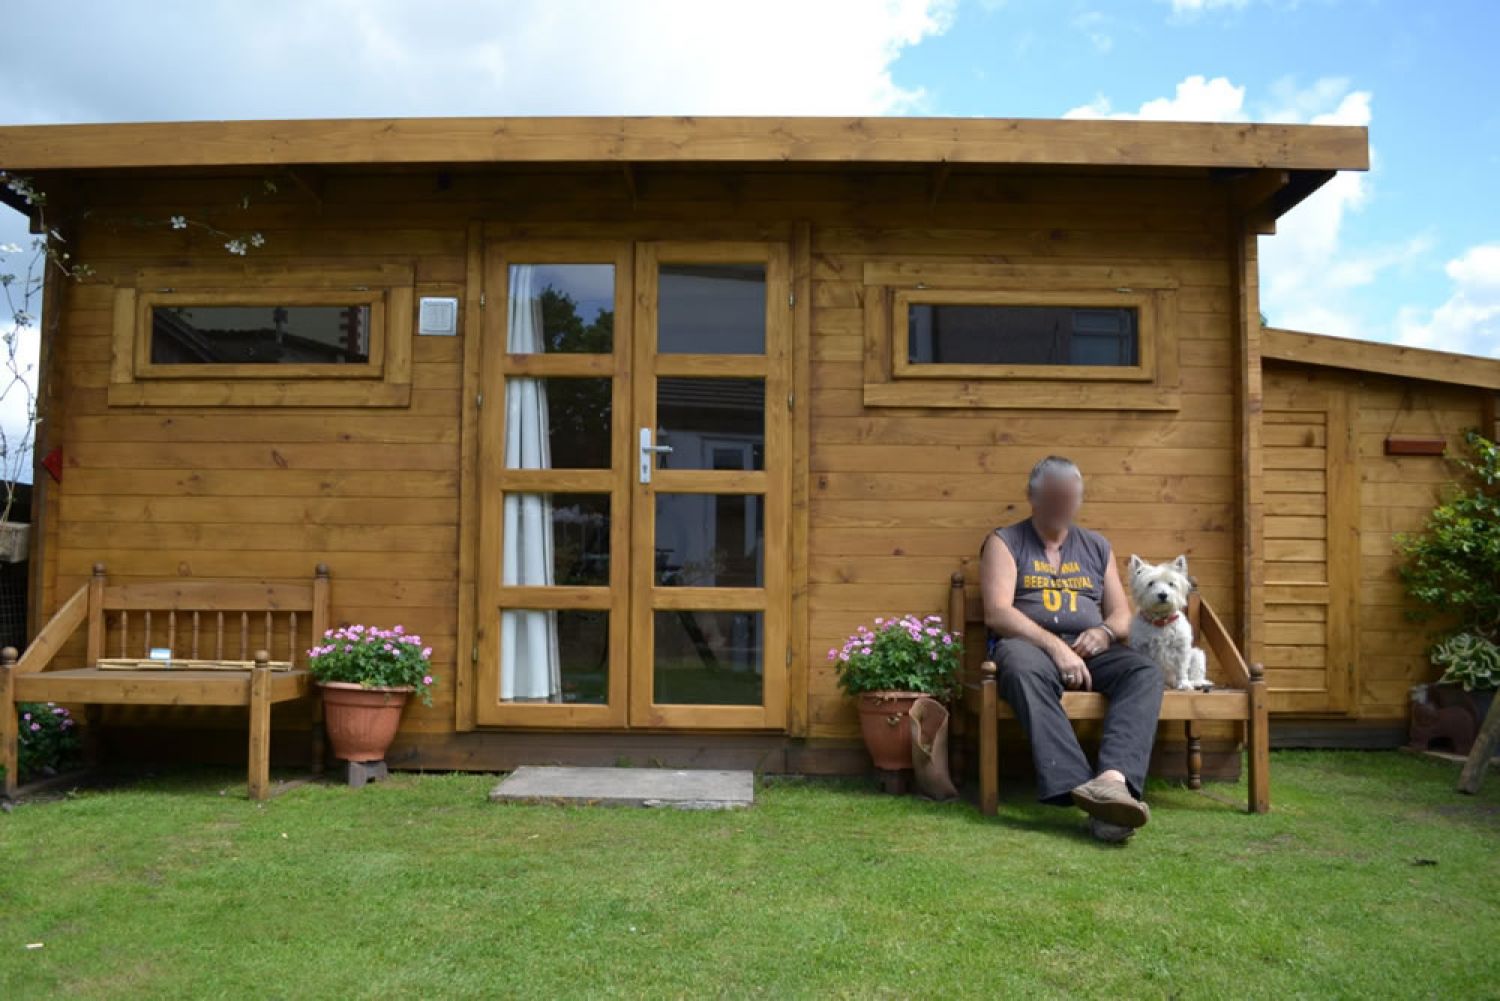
column 179, row 222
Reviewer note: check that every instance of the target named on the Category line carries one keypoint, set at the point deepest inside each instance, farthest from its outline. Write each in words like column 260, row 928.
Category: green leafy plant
column 906, row 654
column 47, row 740
column 1468, row 660
column 1452, row 567
column 374, row 658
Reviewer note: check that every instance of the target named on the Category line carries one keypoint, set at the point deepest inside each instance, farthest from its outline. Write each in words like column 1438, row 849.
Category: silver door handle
column 647, row 448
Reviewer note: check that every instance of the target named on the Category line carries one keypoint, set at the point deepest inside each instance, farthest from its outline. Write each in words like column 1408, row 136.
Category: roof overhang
column 1386, row 359
column 1040, row 141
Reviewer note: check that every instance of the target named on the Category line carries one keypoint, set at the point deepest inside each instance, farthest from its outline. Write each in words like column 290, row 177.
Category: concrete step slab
column 682, row 789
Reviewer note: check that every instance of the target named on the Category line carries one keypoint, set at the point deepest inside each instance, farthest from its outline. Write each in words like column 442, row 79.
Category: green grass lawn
column 1371, row 878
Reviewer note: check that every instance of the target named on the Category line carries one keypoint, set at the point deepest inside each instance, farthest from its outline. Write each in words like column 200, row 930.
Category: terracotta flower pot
column 887, row 733
column 361, row 722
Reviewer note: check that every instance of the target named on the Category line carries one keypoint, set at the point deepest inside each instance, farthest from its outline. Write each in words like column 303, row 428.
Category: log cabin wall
column 893, row 496
column 1334, row 502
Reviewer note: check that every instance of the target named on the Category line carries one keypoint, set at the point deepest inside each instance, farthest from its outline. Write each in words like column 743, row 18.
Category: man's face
column 1056, row 500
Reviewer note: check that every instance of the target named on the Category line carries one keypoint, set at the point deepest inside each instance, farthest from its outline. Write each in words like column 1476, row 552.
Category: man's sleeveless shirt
column 1065, row 599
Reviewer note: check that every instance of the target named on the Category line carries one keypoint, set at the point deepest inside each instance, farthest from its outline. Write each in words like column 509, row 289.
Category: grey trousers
column 1029, row 681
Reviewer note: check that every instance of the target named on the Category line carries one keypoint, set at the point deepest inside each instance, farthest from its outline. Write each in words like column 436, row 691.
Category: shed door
column 1311, row 537
column 634, row 485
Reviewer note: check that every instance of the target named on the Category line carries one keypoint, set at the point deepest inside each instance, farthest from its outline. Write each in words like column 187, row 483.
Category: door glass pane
column 711, row 423
column 567, row 308
column 555, row 539
column 555, row 423
column 549, row 655
column 708, row 658
column 711, row 309
column 710, row 540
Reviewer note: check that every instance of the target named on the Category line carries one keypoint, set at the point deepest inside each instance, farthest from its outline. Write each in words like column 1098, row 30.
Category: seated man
column 1058, row 619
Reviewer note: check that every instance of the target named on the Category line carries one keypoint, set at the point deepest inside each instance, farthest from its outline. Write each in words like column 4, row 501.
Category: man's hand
column 1075, row 674
column 1091, row 641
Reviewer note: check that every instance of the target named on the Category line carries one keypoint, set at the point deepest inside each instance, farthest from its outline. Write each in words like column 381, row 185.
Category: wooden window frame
column 385, row 380
column 890, row 379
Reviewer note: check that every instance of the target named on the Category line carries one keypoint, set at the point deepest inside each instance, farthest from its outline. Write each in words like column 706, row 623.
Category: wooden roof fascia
column 1385, row 359
column 1049, row 142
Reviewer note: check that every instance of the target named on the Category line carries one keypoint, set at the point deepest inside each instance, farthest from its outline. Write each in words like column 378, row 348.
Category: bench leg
column 989, row 743
column 1194, row 754
column 260, row 731
column 93, row 735
column 9, row 725
column 1258, row 734
column 957, row 734
column 319, row 739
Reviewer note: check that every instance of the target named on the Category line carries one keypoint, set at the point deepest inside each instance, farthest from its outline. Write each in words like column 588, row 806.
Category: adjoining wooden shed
column 451, row 360
column 1357, row 437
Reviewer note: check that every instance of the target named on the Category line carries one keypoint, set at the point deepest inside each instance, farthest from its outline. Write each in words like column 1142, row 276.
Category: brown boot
column 1110, row 801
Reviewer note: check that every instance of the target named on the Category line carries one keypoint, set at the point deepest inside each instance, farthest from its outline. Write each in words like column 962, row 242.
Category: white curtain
column 529, row 665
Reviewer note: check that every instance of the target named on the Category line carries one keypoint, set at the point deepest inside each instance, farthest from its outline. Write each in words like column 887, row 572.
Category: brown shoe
column 1113, row 833
column 1110, row 801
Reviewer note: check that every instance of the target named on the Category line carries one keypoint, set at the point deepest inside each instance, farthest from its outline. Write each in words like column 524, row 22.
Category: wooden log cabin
column 634, row 418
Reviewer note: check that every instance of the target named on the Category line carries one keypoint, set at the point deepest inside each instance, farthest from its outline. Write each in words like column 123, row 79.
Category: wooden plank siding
column 893, row 497
column 1381, row 496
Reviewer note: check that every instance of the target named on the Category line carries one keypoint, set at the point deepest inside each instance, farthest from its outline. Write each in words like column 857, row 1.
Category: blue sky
column 1428, row 71
column 1409, row 251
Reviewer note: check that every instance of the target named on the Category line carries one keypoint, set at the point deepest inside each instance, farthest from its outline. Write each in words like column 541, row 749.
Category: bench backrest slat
column 286, row 610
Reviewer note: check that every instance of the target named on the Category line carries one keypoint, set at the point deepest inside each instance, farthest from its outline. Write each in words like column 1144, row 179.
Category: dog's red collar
column 1158, row 623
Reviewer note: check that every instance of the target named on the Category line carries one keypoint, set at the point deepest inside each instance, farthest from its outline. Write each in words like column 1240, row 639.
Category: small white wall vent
column 438, row 316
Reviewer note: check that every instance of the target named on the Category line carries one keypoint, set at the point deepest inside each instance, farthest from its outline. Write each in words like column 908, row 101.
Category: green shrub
column 47, row 741
column 1468, row 660
column 906, row 654
column 1452, row 567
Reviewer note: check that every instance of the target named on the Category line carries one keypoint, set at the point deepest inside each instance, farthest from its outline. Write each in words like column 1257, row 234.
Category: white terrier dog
column 1161, row 630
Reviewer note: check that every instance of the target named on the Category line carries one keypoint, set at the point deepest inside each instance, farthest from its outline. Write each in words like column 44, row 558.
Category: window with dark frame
column 995, row 334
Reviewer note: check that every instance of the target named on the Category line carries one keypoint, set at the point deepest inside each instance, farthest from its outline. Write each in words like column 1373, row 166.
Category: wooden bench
column 193, row 617
column 1243, row 700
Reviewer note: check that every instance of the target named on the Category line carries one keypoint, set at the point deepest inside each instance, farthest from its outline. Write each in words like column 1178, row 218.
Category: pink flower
column 426, row 679
column 426, row 652
column 397, row 629
column 36, row 726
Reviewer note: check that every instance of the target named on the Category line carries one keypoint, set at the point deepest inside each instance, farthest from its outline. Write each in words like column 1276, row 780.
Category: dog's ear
column 1135, row 564
column 1180, row 564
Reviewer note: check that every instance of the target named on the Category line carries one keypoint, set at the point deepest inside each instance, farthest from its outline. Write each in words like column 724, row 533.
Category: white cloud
column 1197, row 99
column 1093, row 24
column 289, row 58
column 1469, row 320
column 1191, row 7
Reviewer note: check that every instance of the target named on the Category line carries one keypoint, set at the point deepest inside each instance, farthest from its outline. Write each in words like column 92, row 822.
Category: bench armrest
column 55, row 633
column 1217, row 639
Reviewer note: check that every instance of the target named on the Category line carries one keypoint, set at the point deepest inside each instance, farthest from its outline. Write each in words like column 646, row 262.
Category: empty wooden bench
column 1243, row 700
column 204, row 623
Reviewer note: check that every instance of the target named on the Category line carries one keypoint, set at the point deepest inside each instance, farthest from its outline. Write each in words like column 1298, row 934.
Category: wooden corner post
column 9, row 725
